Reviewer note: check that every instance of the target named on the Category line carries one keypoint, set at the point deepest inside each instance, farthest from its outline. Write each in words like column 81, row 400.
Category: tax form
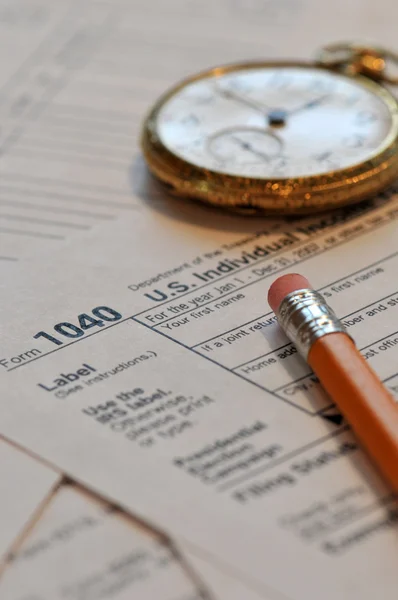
column 45, row 521
column 70, row 115
column 68, row 157
column 164, row 383
column 64, row 123
column 82, row 548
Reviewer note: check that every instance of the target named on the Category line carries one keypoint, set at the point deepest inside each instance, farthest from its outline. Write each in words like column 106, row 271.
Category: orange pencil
column 321, row 339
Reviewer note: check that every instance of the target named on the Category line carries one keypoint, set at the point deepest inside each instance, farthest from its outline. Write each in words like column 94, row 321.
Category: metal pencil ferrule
column 305, row 317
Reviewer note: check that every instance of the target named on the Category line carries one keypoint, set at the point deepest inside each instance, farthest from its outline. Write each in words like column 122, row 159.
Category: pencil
column 345, row 375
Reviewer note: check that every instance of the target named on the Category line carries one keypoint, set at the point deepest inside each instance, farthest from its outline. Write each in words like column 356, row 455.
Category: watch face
column 275, row 122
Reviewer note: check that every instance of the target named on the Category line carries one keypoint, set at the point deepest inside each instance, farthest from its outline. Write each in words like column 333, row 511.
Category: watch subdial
column 244, row 145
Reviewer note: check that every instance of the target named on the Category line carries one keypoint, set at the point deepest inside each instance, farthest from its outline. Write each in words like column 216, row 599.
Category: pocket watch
column 279, row 137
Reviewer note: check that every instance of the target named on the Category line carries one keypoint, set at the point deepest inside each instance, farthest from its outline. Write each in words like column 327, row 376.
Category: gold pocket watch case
column 277, row 138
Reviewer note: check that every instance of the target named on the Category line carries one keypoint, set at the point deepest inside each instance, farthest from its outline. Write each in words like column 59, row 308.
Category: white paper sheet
column 253, row 466
column 223, row 583
column 82, row 549
column 70, row 167
column 78, row 78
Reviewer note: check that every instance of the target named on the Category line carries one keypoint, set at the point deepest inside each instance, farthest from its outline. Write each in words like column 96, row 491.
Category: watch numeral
column 280, row 163
column 355, row 141
column 279, row 81
column 319, row 86
column 323, row 156
column 190, row 121
column 237, row 85
column 364, row 117
column 327, row 159
column 199, row 100
column 352, row 99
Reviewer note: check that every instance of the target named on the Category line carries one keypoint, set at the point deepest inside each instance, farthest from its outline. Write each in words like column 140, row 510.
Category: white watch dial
column 274, row 122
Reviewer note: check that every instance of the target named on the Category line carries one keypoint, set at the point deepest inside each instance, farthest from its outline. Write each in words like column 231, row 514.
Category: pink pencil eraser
column 286, row 285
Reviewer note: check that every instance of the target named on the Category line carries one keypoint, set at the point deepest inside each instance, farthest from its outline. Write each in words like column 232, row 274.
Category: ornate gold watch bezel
column 273, row 196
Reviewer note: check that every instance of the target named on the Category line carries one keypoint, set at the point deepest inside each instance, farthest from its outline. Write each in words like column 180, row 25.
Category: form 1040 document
column 164, row 383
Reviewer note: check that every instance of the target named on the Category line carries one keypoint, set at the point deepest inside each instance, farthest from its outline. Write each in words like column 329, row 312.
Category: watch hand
column 263, row 108
column 307, row 105
column 273, row 117
column 250, row 148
